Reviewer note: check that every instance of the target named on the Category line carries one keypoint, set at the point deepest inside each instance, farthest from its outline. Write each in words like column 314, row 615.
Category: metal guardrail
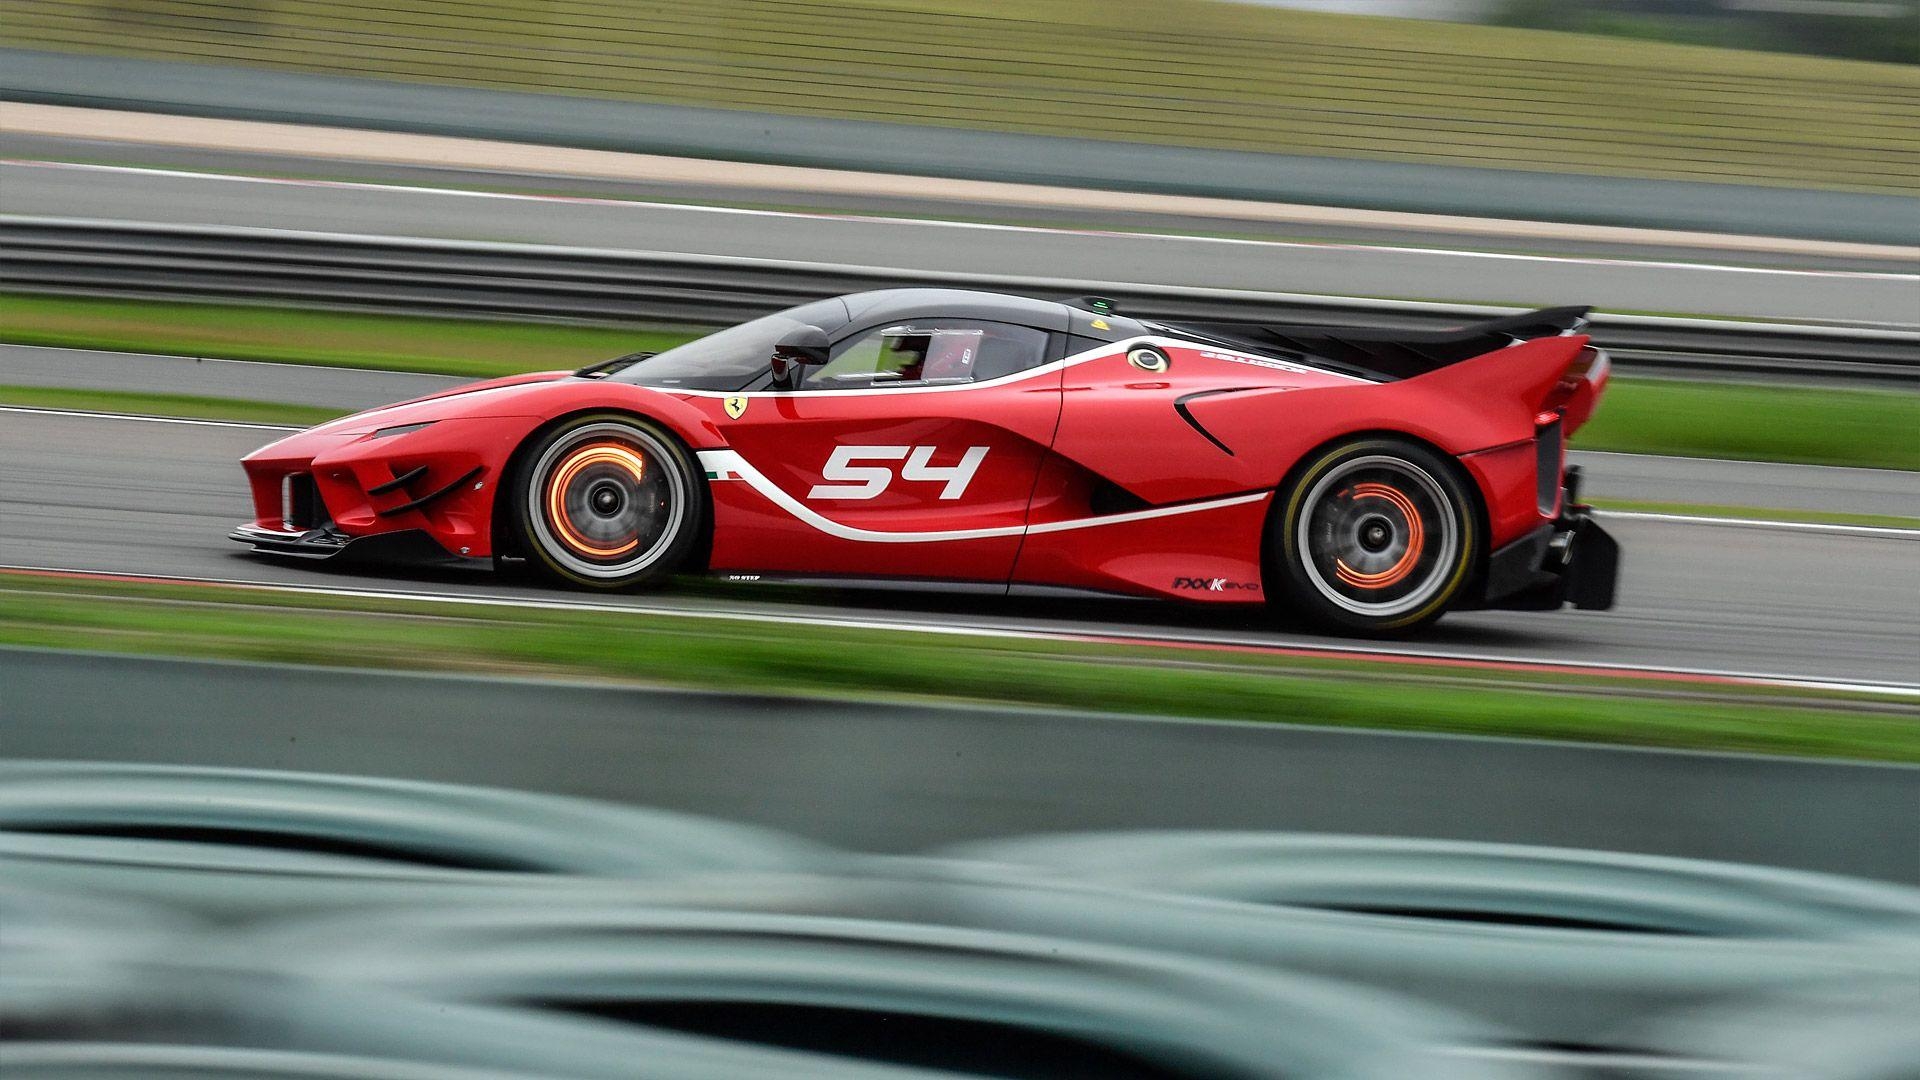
column 474, row 279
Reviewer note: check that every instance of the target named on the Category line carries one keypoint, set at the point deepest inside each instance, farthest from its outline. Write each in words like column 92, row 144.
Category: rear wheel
column 1377, row 536
column 608, row 501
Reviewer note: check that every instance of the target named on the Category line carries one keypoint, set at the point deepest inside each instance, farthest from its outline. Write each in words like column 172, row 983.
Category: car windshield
column 732, row 358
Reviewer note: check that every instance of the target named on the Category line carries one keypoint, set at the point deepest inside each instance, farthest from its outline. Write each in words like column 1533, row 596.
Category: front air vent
column 609, row 367
column 1108, row 498
column 300, row 505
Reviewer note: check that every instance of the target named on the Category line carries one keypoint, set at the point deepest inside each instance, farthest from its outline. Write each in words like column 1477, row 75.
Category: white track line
column 296, row 366
column 88, row 414
column 1886, row 532
column 308, row 142
column 1577, row 452
column 1278, row 245
column 909, row 624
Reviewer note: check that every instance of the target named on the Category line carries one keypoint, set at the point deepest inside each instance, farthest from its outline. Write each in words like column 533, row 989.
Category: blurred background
column 273, row 819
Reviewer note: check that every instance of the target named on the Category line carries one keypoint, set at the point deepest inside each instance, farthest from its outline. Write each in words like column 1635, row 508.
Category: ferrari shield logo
column 735, row 406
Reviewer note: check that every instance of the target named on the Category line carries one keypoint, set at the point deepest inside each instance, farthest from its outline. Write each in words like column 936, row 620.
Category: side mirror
column 802, row 345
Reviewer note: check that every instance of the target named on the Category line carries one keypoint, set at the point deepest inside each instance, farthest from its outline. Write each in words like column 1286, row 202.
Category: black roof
column 1380, row 354
column 885, row 305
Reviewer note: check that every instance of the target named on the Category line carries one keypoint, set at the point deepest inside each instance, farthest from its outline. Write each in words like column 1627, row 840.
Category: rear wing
column 1388, row 355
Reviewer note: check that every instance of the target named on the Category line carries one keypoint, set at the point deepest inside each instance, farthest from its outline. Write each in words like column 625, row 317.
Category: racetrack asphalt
column 1402, row 272
column 1635, row 477
column 138, row 496
column 349, row 155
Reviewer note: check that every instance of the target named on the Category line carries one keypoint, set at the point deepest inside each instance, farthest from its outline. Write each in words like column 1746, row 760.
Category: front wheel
column 1376, row 536
column 608, row 501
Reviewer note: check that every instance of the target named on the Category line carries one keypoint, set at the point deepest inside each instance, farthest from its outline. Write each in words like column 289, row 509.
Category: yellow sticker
column 735, row 406
column 1100, row 324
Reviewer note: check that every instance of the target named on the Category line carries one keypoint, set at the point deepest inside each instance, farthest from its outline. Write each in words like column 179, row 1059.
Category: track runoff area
column 159, row 515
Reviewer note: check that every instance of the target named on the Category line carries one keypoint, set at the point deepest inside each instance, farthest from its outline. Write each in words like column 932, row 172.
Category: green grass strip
column 1811, row 425
column 470, row 347
column 747, row 656
column 183, row 406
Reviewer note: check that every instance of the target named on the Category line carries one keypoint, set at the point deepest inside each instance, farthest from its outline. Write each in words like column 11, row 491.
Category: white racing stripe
column 729, row 463
column 947, row 626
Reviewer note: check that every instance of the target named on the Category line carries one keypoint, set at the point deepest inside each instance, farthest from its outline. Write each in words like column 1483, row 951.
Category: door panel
column 930, row 481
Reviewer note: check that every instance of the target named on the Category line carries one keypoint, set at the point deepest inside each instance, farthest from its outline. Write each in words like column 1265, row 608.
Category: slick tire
column 606, row 501
column 1375, row 537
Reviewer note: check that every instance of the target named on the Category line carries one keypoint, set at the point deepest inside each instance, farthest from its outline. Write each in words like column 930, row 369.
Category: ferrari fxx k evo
column 1369, row 479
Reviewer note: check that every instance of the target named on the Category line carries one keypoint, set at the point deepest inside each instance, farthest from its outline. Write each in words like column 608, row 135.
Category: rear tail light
column 1548, row 445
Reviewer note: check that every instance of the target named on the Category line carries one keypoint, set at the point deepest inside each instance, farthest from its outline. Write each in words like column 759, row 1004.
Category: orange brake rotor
column 1416, row 540
column 608, row 453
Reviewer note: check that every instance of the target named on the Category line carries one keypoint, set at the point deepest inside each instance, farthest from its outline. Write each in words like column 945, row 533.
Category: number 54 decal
column 868, row 481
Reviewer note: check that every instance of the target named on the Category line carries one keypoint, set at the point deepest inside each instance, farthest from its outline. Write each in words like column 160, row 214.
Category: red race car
column 1372, row 480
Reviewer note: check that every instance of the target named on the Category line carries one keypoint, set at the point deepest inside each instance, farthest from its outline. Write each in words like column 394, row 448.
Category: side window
column 930, row 352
